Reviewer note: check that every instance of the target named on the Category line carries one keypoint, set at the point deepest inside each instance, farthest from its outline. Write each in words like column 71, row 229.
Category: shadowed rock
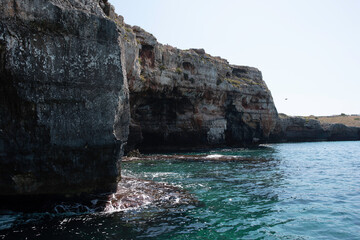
column 64, row 109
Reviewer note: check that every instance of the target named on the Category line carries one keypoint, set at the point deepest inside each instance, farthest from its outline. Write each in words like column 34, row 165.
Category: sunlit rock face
column 64, row 110
column 189, row 99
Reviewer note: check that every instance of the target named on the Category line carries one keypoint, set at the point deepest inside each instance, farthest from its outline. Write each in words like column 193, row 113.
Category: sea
column 279, row 191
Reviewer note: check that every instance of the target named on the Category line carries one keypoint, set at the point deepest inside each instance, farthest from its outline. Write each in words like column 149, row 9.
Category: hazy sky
column 308, row 51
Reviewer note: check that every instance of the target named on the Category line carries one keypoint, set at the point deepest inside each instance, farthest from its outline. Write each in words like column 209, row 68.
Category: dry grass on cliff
column 348, row 120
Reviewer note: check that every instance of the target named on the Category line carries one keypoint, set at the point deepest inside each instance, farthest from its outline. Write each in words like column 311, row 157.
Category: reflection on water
column 287, row 191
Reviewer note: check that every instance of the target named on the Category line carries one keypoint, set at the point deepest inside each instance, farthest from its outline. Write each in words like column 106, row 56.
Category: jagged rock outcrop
column 302, row 129
column 64, row 109
column 183, row 99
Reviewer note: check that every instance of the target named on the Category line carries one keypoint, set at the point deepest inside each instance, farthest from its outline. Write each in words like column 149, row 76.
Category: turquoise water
column 288, row 191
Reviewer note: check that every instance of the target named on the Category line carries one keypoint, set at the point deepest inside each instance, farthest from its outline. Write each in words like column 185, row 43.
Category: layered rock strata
column 183, row 99
column 64, row 109
column 64, row 104
column 301, row 129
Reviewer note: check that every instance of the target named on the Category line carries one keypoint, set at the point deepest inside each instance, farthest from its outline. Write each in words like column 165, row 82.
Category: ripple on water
column 288, row 191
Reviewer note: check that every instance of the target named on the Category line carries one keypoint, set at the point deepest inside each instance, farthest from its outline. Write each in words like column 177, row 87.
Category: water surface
column 286, row 191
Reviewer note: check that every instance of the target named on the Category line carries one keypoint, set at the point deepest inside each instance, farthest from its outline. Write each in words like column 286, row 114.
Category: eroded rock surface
column 183, row 99
column 64, row 110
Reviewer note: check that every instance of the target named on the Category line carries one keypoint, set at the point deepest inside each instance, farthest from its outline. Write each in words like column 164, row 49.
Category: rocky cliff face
column 64, row 104
column 187, row 98
column 301, row 129
column 64, row 109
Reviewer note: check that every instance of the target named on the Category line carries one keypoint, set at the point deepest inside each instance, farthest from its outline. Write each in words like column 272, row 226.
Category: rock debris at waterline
column 131, row 194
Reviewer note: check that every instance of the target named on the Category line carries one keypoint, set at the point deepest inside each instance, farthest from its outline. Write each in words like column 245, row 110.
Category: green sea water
column 285, row 191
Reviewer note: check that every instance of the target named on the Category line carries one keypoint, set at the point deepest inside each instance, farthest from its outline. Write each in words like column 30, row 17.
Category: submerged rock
column 64, row 110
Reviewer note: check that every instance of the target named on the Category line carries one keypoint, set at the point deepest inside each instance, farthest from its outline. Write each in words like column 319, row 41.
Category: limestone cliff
column 64, row 109
column 183, row 99
column 301, row 129
column 64, row 99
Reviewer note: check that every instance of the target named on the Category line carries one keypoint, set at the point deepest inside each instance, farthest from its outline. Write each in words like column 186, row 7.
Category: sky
column 308, row 51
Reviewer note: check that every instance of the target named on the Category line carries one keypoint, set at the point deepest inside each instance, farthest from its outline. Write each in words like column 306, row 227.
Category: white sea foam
column 214, row 156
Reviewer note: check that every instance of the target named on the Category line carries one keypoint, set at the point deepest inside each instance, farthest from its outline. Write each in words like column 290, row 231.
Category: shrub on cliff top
column 178, row 71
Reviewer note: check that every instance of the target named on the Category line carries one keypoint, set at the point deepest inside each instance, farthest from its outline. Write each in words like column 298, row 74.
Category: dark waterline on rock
column 281, row 191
